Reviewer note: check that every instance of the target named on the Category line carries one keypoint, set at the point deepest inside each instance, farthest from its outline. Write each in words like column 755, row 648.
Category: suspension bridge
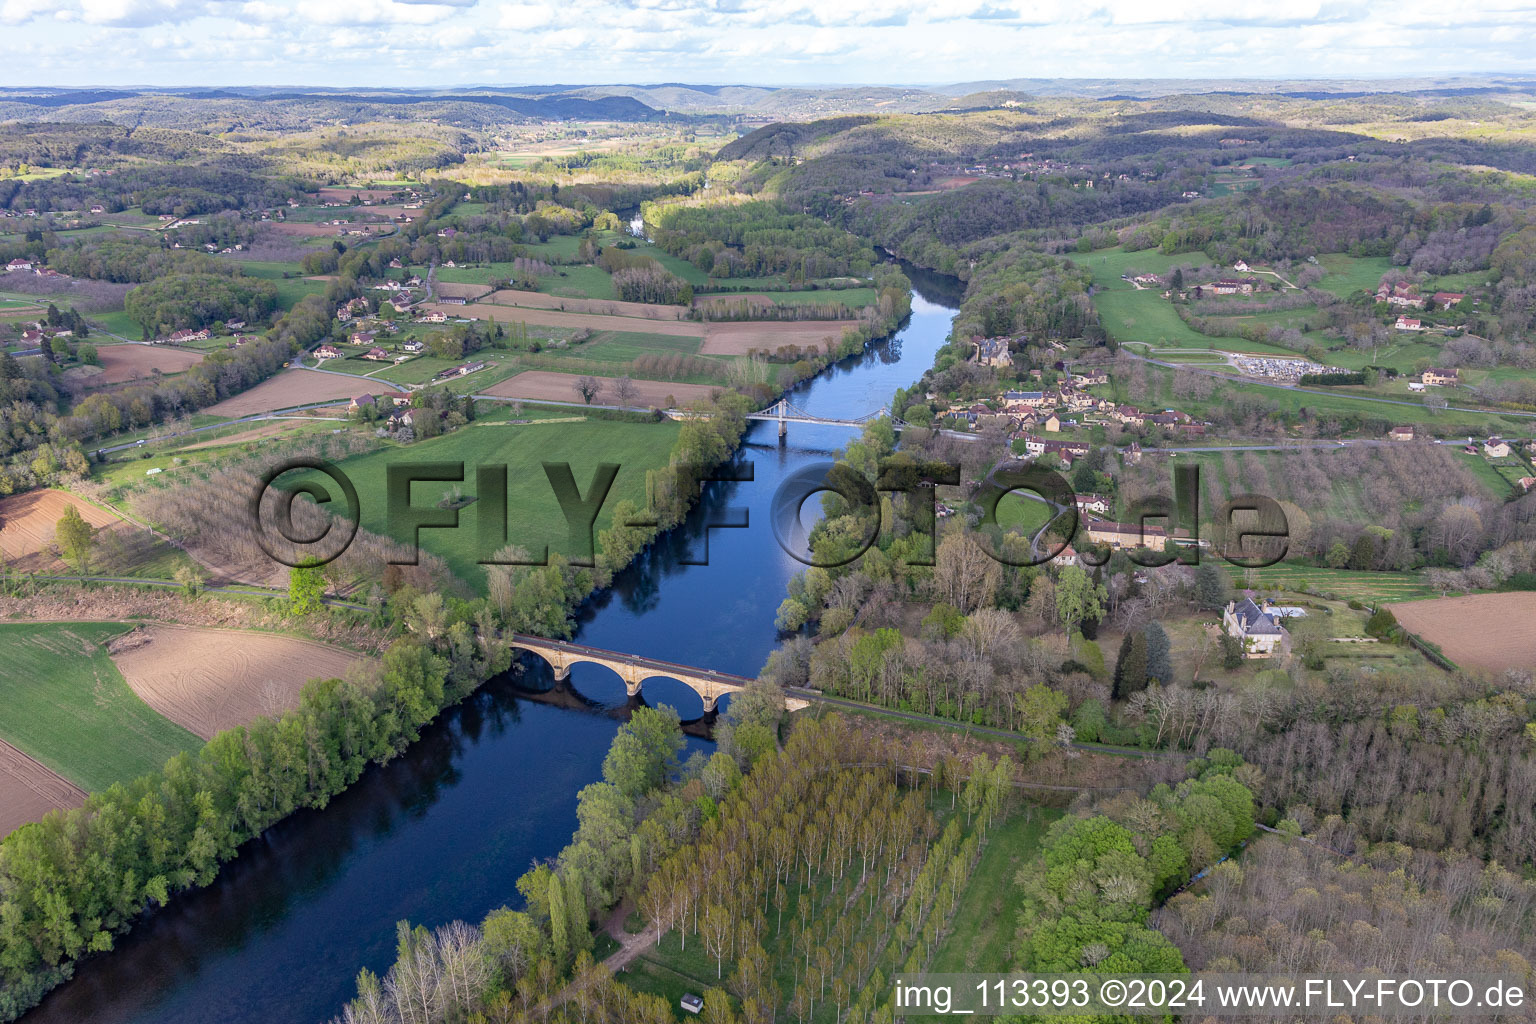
column 785, row 412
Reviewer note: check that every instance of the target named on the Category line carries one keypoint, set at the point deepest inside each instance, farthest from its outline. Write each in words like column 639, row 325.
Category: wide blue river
column 444, row 831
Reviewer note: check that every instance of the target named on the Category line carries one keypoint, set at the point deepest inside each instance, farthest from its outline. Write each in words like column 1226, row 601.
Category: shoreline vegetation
column 170, row 831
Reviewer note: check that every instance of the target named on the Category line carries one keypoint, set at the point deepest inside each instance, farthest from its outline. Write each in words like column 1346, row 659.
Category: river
column 444, row 831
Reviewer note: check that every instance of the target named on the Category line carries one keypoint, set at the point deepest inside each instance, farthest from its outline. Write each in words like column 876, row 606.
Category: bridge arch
column 633, row 669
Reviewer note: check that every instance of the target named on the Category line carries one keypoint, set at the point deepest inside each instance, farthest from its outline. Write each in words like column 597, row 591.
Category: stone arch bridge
column 635, row 670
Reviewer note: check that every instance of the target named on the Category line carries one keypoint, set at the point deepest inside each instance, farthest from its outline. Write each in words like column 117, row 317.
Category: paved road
column 275, row 414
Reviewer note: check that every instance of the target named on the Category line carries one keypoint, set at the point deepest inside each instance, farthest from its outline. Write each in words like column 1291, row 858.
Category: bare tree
column 588, row 387
column 625, row 390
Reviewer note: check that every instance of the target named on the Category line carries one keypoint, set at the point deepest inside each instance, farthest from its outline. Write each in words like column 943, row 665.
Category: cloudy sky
column 768, row 42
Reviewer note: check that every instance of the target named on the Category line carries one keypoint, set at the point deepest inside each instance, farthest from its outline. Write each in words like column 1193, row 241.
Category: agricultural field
column 291, row 388
column 561, row 387
column 120, row 548
column 208, row 680
column 516, row 298
column 533, row 513
column 1492, row 632
column 28, row 790
column 64, row 703
column 121, row 364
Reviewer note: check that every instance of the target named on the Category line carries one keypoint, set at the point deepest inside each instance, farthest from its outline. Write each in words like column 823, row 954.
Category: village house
column 435, row 316
column 235, row 325
column 1024, row 399
column 1438, row 377
column 361, row 338
column 1096, row 503
column 1039, row 446
column 411, row 345
column 1260, row 635
column 1493, row 448
column 1147, row 279
column 1125, row 535
column 1400, row 434
column 18, row 264
column 1445, row 300
column 1240, row 266
column 182, row 337
column 1133, row 454
column 1400, row 295
column 1051, row 424
column 1408, row 323
column 1128, row 414
column 1065, row 557
column 98, row 208
column 32, row 337
column 993, row 352
column 327, row 352
column 360, row 402
column 378, row 355
column 1526, row 483
column 1090, row 378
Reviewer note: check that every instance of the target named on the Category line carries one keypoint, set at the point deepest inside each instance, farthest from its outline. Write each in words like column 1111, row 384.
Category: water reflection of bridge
column 709, row 684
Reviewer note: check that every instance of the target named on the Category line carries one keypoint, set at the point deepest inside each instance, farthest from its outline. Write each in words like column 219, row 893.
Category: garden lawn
column 1348, row 275
column 63, row 701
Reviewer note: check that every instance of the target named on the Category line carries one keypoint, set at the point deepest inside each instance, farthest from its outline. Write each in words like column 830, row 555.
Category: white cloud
column 455, row 42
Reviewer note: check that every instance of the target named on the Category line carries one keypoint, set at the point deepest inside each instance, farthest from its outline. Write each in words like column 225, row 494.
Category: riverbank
column 282, row 932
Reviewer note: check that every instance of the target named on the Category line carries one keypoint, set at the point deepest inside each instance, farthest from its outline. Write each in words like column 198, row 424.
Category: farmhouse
column 1408, row 323
column 18, row 264
column 1093, row 503
column 1125, row 535
column 32, row 337
column 181, row 337
column 1437, row 377
column 1400, row 295
column 1260, row 635
column 235, row 325
column 1129, row 415
column 1445, row 300
column 1400, row 434
column 1229, row 287
column 1526, row 483
column 436, row 316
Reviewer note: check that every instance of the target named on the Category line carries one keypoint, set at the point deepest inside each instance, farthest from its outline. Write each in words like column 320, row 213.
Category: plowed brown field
column 28, row 790
column 291, row 388
column 27, row 521
column 211, row 679
column 1486, row 631
column 123, row 363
